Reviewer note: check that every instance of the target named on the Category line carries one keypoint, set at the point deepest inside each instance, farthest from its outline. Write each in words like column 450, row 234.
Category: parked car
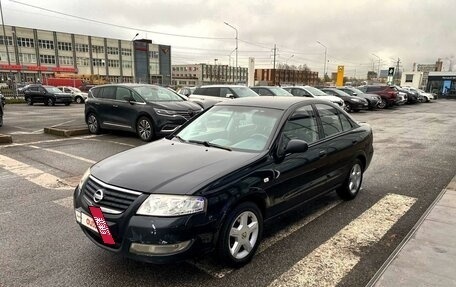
column 49, row 95
column 186, row 91
column 311, row 92
column 148, row 110
column 271, row 91
column 372, row 99
column 216, row 181
column 412, row 96
column 78, row 96
column 426, row 97
column 351, row 103
column 86, row 88
column 387, row 93
column 1, row 114
column 2, row 99
column 207, row 96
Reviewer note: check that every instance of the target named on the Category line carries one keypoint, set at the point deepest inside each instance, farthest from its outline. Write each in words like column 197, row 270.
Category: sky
column 353, row 31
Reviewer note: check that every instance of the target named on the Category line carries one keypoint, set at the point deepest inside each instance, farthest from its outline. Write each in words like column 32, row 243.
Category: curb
column 451, row 186
column 5, row 139
column 67, row 132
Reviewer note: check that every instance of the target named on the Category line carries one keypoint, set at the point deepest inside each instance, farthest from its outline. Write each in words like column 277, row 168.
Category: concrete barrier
column 67, row 131
column 5, row 139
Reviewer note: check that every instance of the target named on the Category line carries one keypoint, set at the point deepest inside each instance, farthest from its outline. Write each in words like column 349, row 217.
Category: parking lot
column 328, row 242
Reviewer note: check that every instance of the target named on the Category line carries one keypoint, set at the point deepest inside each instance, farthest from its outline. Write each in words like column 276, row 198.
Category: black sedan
column 372, row 99
column 215, row 182
column 351, row 103
column 48, row 95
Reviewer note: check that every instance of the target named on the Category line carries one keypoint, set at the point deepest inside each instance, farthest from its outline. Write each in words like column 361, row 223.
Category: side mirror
column 296, row 146
column 187, row 94
column 128, row 99
column 231, row 96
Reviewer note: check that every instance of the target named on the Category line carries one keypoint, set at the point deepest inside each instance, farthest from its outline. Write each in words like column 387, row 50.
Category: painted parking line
column 64, row 154
column 113, row 142
column 48, row 141
column 328, row 264
column 216, row 271
column 32, row 174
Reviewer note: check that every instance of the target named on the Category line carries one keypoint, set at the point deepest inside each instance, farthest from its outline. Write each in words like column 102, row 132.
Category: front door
column 123, row 112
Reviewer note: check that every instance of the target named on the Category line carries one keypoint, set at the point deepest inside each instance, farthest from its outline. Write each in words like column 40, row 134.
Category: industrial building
column 205, row 74
column 34, row 54
column 285, row 77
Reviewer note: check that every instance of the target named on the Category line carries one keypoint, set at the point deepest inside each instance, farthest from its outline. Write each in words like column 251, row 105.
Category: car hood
column 333, row 99
column 170, row 167
column 177, row 105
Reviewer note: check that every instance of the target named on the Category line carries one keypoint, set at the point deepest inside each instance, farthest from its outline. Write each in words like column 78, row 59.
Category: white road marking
column 114, row 142
column 65, row 202
column 64, row 153
column 48, row 141
column 216, row 271
column 61, row 124
column 32, row 174
column 328, row 264
column 40, row 131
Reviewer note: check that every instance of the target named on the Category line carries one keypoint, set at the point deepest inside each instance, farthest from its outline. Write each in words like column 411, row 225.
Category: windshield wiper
column 179, row 138
column 209, row 144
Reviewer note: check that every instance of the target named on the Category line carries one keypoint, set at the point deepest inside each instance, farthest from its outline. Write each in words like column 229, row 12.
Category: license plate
column 85, row 220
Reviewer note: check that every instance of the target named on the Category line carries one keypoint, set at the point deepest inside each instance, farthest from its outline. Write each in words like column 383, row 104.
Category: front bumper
column 359, row 105
column 133, row 234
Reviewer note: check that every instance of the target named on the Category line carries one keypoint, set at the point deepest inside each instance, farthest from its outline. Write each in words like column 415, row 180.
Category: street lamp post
column 5, row 40
column 324, row 66
column 236, row 46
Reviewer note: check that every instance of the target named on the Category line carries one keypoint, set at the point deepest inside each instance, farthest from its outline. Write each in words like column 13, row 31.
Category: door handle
column 97, row 104
column 115, row 106
column 354, row 141
column 322, row 153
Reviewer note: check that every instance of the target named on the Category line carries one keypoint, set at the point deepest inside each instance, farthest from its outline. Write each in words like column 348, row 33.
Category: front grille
column 115, row 199
column 187, row 114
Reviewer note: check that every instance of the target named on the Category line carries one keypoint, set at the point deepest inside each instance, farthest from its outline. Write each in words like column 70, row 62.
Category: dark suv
column 48, row 95
column 387, row 93
column 207, row 96
column 148, row 110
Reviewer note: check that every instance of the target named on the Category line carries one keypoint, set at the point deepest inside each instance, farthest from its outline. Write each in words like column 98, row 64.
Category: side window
column 67, row 90
column 224, row 92
column 41, row 90
column 302, row 125
column 214, row 92
column 33, row 89
column 346, row 124
column 121, row 93
column 108, row 93
column 265, row 92
column 137, row 98
column 300, row 93
column 329, row 119
column 350, row 92
column 95, row 92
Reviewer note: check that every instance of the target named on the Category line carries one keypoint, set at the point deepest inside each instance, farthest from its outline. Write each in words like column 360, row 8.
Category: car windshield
column 280, row 92
column 357, row 91
column 52, row 90
column 157, row 94
column 233, row 127
column 244, row 92
column 315, row 91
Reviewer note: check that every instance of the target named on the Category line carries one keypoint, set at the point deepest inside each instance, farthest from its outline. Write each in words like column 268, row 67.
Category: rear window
column 108, row 93
column 94, row 92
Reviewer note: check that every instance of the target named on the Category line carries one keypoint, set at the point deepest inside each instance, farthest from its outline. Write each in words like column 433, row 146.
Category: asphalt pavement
column 326, row 243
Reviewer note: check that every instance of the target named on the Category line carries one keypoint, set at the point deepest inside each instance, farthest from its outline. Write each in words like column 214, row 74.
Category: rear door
column 300, row 93
column 107, row 96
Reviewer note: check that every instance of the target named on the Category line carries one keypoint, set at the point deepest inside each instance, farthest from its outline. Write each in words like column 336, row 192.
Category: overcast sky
column 418, row 31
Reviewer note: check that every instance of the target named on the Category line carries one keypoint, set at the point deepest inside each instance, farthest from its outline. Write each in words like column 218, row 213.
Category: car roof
column 223, row 86
column 131, row 85
column 271, row 102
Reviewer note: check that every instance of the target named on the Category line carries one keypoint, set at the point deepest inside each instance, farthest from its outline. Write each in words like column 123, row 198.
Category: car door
column 299, row 176
column 105, row 107
column 33, row 93
column 124, row 113
column 338, row 142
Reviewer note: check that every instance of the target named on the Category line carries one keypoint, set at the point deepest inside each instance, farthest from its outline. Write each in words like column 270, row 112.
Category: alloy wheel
column 243, row 235
column 78, row 100
column 347, row 107
column 144, row 129
column 355, row 178
column 382, row 104
column 92, row 123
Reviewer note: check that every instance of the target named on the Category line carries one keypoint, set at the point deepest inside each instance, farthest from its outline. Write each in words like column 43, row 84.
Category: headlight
column 164, row 112
column 171, row 205
column 356, row 100
column 84, row 178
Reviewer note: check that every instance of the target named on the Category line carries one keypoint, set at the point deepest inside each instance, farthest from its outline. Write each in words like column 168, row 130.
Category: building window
column 4, row 57
column 126, row 64
column 97, row 49
column 46, row 44
column 112, row 50
column 114, row 63
column 25, row 42
column 83, row 62
column 408, row 78
column 9, row 38
column 98, row 62
column 153, row 54
column 47, row 59
column 84, row 48
column 64, row 60
column 64, row 46
column 27, row 58
column 126, row 52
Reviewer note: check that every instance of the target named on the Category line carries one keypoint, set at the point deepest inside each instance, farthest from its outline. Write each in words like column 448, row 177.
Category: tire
column 29, row 101
column 145, row 129
column 250, row 235
column 93, row 124
column 352, row 183
column 50, row 102
column 347, row 107
column 79, row 100
column 356, row 111
column 383, row 104
column 1, row 121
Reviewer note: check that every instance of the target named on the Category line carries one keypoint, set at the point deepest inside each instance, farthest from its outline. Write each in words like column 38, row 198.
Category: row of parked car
column 153, row 111
column 50, row 95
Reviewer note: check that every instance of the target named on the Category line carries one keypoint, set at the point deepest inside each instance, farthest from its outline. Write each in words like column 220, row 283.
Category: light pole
column 132, row 57
column 324, row 67
column 378, row 71
column 236, row 46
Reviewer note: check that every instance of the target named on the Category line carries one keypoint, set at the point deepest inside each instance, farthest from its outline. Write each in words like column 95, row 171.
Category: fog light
column 162, row 249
